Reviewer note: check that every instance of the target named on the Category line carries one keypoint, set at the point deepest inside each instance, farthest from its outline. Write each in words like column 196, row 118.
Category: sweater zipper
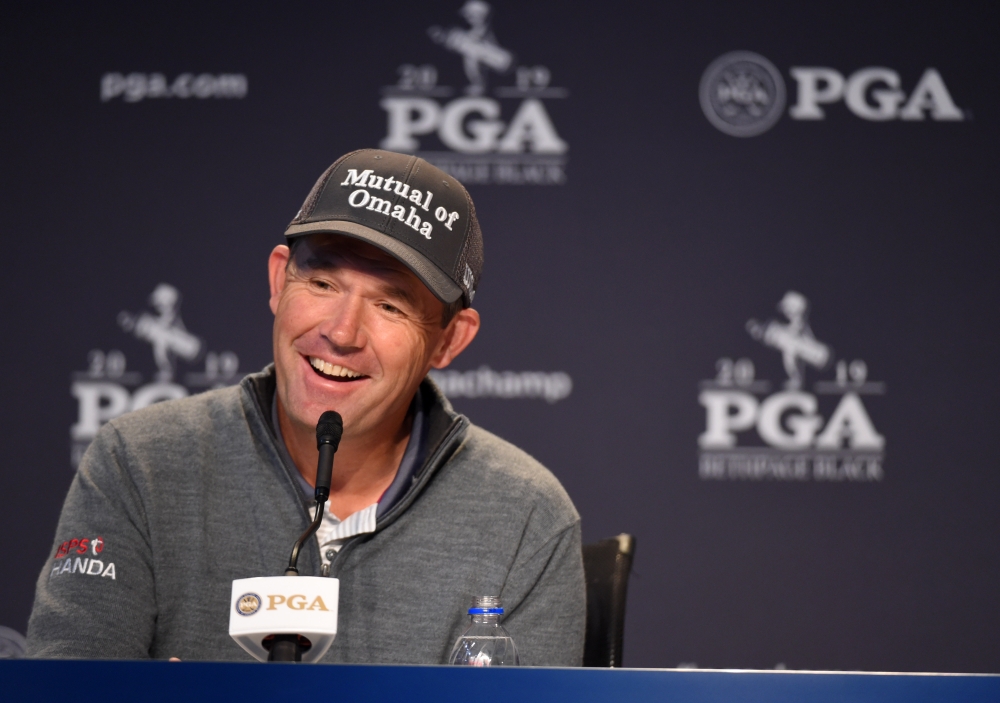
column 304, row 508
column 431, row 468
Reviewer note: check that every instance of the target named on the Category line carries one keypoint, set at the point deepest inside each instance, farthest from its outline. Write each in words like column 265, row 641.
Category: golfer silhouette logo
column 477, row 45
column 793, row 339
column 164, row 331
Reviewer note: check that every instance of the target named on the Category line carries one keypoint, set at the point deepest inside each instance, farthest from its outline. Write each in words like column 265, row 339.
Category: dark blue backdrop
column 172, row 143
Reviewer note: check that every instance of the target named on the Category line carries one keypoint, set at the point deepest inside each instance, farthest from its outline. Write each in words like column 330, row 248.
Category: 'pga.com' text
column 138, row 86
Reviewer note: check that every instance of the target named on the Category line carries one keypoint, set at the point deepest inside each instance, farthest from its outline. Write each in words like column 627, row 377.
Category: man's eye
column 389, row 308
column 321, row 284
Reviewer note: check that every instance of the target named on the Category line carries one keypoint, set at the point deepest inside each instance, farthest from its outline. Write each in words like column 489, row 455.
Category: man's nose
column 344, row 324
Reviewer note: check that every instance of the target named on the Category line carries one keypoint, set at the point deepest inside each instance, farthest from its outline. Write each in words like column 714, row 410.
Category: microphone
column 304, row 622
column 329, row 430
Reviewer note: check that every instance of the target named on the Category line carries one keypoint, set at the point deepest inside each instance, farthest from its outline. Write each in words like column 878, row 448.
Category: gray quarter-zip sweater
column 173, row 502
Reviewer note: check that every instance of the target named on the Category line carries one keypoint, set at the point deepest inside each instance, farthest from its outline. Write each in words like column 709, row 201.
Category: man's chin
column 307, row 413
column 304, row 405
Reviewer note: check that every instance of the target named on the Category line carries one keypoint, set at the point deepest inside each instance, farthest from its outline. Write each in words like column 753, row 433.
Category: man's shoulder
column 216, row 412
column 207, row 431
column 491, row 464
column 182, row 413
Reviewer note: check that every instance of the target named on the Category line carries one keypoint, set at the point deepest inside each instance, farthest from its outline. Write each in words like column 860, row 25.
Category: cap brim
column 436, row 280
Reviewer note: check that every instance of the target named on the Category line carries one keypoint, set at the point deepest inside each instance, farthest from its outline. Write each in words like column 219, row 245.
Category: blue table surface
column 77, row 680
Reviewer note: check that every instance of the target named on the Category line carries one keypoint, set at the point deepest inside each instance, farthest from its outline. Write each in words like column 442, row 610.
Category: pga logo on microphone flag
column 284, row 605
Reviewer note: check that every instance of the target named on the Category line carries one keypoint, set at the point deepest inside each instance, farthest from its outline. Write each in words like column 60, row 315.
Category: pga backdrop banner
column 740, row 290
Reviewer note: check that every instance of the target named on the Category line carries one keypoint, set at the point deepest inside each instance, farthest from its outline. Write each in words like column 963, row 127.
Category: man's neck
column 363, row 469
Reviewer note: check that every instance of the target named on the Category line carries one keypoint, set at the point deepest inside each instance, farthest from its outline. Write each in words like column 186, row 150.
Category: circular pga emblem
column 742, row 94
column 248, row 604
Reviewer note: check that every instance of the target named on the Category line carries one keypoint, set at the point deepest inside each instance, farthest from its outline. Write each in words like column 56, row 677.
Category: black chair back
column 607, row 565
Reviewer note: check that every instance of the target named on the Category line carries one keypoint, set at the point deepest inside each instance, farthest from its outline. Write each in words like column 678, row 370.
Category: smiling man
column 373, row 289
column 356, row 331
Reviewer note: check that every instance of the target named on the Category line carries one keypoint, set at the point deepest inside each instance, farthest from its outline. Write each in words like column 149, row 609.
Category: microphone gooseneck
column 329, row 430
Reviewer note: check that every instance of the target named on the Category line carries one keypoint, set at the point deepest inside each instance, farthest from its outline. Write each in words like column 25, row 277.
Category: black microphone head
column 329, row 429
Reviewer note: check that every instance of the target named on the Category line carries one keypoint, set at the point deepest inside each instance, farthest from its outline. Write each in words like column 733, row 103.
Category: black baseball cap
column 406, row 207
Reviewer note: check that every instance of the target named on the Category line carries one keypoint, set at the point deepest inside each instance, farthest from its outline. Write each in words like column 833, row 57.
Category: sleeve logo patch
column 70, row 560
column 80, row 546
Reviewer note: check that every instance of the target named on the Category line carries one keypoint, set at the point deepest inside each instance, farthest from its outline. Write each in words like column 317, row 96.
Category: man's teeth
column 332, row 369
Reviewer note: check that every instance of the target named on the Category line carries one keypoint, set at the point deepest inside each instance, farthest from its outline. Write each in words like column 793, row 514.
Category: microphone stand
column 329, row 430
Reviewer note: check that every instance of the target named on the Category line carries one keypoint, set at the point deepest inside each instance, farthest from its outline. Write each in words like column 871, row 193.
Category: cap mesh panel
column 472, row 253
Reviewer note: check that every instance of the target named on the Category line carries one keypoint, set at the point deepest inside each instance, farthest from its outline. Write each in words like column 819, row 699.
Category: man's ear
column 277, row 264
column 457, row 336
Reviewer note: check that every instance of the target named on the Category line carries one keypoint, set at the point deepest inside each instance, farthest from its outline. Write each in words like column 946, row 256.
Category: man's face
column 354, row 331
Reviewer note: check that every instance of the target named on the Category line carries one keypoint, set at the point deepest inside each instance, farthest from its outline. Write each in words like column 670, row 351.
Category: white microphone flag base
column 284, row 605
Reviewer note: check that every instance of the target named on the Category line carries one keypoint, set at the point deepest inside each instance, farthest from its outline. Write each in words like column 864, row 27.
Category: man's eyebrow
column 394, row 291
column 317, row 261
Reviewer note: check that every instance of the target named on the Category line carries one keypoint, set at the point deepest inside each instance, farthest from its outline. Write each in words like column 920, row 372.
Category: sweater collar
column 442, row 430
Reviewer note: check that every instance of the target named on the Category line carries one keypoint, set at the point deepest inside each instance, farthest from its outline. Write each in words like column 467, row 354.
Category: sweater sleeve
column 547, row 600
column 95, row 597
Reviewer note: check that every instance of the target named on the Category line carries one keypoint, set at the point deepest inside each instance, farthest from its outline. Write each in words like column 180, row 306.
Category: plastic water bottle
column 485, row 643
